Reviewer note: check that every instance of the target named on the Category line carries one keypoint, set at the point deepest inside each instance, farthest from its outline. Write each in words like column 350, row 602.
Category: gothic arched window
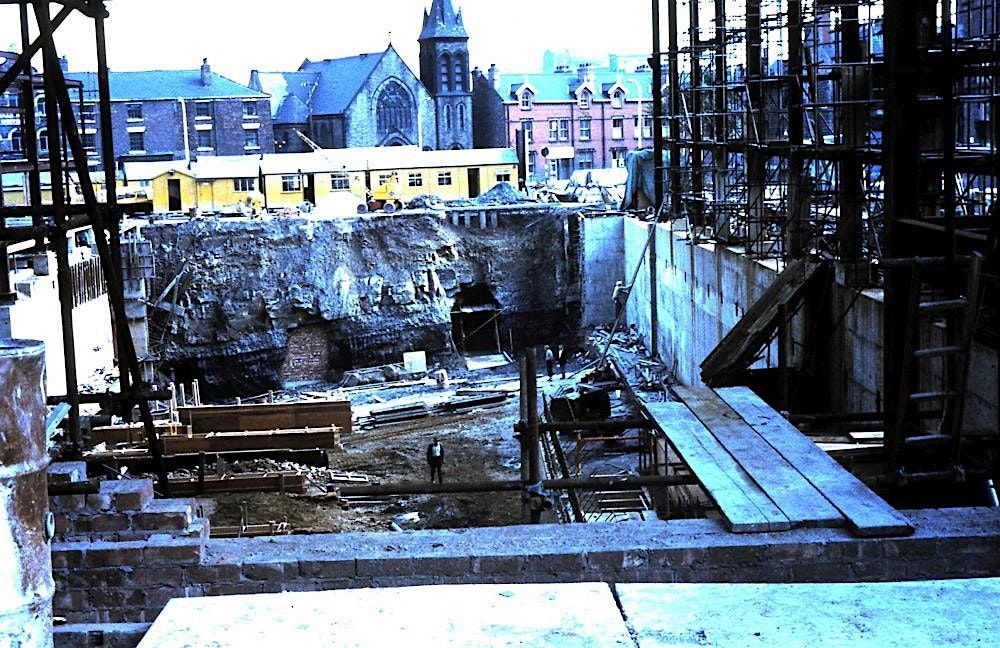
column 459, row 73
column 445, row 80
column 461, row 115
column 393, row 109
column 447, row 117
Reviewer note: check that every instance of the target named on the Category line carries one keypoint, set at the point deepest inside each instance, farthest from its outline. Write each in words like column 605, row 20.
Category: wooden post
column 196, row 393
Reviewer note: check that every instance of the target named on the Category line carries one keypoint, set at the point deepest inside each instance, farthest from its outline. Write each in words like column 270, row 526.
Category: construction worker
column 561, row 356
column 435, row 459
column 620, row 297
column 550, row 358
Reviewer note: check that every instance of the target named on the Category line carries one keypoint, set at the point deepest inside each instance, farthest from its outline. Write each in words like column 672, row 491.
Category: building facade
column 178, row 115
column 375, row 99
column 585, row 118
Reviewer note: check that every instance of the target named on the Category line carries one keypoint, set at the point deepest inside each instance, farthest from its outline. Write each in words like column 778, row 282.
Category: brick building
column 574, row 118
column 177, row 115
column 375, row 99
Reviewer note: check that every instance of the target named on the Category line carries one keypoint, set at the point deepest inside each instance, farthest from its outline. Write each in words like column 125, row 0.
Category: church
column 376, row 99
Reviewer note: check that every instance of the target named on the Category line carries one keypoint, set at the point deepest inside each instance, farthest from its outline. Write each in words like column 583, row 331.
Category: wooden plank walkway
column 801, row 503
column 745, row 506
column 866, row 513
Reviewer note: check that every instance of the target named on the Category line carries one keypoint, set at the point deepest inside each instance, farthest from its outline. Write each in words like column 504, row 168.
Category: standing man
column 550, row 358
column 435, row 459
column 561, row 356
column 620, row 297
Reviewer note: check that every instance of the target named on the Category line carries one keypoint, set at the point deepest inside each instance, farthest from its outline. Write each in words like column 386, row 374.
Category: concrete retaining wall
column 133, row 581
column 703, row 289
column 602, row 265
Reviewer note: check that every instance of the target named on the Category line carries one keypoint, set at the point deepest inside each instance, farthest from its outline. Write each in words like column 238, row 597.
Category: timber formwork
column 52, row 220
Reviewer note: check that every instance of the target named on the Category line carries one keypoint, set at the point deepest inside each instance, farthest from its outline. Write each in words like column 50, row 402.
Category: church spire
column 442, row 21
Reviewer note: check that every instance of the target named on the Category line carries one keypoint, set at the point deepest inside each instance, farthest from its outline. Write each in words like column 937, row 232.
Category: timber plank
column 268, row 416
column 258, row 440
column 797, row 498
column 743, row 504
column 867, row 514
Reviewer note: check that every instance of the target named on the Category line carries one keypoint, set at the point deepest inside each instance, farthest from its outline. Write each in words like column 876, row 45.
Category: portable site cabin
column 331, row 179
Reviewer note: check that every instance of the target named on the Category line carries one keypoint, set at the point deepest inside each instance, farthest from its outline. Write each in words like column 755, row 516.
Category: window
column 244, row 184
column 527, row 100
column 553, row 130
column 89, row 141
column 204, row 139
column 136, row 142
column 503, row 176
column 564, row 130
column 16, row 141
column 384, row 178
column 394, row 112
column 290, row 183
column 447, row 117
column 618, row 157
column 40, row 106
column 553, row 168
column 249, row 108
column 203, row 110
column 618, row 128
column 415, row 180
column 10, row 99
column 339, row 181
column 446, row 72
column 43, row 141
column 461, row 115
column 444, row 178
column 133, row 112
column 585, row 160
column 617, row 98
column 585, row 129
column 528, row 128
column 251, row 139
column 531, row 162
column 583, row 100
column 647, row 127
column 88, row 113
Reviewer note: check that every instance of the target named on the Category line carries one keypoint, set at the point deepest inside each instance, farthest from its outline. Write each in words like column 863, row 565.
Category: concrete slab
column 574, row 614
column 911, row 614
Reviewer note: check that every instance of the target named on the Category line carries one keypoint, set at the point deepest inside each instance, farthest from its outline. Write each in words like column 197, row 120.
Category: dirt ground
column 478, row 446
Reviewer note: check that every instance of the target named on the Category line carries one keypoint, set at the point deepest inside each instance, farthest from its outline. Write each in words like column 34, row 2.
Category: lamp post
column 638, row 88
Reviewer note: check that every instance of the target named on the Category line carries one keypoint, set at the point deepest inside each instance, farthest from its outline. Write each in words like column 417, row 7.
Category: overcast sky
column 239, row 35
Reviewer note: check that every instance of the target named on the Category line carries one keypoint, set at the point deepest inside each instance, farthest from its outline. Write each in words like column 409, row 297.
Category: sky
column 239, row 35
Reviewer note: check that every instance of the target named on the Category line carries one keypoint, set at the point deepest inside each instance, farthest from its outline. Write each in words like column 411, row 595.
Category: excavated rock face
column 262, row 301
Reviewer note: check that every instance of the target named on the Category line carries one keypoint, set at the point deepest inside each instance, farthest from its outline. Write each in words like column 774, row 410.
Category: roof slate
column 339, row 80
column 165, row 84
column 560, row 86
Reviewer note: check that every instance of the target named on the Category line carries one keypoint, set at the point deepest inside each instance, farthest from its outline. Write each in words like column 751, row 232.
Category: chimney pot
column 206, row 73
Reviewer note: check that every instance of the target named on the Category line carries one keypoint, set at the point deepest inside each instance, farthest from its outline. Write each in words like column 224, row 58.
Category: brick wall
column 132, row 581
column 308, row 356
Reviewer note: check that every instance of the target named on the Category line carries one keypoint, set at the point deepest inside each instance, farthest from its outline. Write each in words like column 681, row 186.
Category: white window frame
column 564, row 130
column 291, row 183
column 617, row 128
column 584, row 100
column 445, row 179
column 202, row 104
column 554, row 129
column 617, row 98
column 340, row 181
column 528, row 128
column 527, row 99
column 244, row 185
column 133, row 149
column 247, row 145
column 503, row 176
column 586, row 129
column 250, row 104
column 583, row 163
column 415, row 180
column 198, row 136
column 128, row 112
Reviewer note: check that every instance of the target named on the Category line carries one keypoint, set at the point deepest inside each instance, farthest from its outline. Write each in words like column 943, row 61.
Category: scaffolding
column 857, row 131
column 51, row 218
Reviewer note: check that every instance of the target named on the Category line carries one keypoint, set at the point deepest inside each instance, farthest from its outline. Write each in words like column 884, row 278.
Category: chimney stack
column 206, row 73
column 583, row 71
column 494, row 76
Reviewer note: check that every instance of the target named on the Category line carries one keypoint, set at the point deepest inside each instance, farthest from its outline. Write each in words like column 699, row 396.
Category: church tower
column 444, row 71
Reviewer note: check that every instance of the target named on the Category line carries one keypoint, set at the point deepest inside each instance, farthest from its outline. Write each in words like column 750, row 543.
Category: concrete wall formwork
column 703, row 289
column 603, row 247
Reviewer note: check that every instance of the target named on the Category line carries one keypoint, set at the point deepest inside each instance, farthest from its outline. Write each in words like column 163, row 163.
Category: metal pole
column 30, row 139
column 629, row 482
column 522, row 433
column 798, row 199
column 675, row 111
column 531, row 436
column 61, row 242
column 656, row 62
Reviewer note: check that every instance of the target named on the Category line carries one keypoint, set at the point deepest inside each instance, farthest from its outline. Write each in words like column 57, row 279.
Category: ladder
column 926, row 443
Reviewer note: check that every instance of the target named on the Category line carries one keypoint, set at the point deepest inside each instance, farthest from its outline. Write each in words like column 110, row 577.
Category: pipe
column 531, row 435
column 629, row 482
column 991, row 490
column 25, row 555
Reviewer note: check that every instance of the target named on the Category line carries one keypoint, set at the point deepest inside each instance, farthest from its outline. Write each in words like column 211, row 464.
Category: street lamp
column 641, row 118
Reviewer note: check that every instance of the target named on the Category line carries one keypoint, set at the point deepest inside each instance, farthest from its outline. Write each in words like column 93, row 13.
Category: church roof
column 338, row 81
column 442, row 21
column 290, row 94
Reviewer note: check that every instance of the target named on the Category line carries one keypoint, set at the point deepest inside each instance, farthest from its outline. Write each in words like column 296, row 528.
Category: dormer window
column 618, row 98
column 527, row 100
column 583, row 99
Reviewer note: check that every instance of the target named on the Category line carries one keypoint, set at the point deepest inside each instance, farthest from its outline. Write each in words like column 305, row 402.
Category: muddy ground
column 478, row 446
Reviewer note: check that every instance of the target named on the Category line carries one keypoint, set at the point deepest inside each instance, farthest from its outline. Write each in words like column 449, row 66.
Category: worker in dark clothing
column 435, row 459
column 620, row 298
column 562, row 356
column 550, row 360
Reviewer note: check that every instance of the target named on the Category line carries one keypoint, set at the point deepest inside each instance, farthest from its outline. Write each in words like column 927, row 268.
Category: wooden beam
column 867, row 513
column 744, row 505
column 801, row 503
